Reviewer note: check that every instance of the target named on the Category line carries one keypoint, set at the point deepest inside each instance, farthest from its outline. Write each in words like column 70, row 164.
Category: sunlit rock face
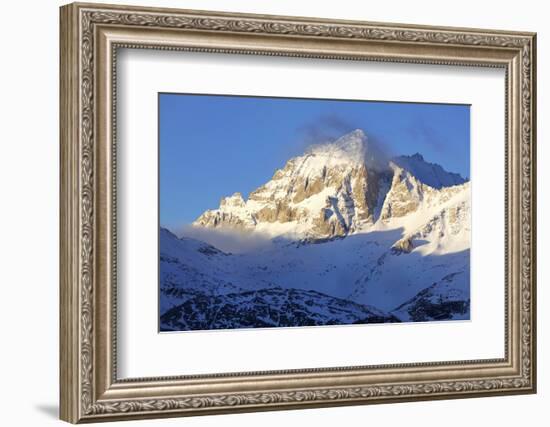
column 333, row 190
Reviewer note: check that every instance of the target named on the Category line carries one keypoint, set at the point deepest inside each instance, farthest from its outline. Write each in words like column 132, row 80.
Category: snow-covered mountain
column 333, row 190
column 356, row 238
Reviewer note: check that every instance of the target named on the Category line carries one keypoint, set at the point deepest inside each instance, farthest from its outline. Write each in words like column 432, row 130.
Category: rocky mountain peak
column 352, row 147
column 235, row 200
column 347, row 151
column 332, row 190
column 430, row 174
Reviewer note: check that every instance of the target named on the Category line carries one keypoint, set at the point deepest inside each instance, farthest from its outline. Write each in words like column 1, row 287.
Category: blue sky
column 213, row 146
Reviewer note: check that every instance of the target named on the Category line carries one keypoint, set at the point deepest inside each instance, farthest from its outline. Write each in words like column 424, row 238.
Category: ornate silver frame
column 90, row 36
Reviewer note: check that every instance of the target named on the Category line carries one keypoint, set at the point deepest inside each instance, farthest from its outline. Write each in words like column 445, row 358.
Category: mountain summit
column 336, row 189
column 350, row 148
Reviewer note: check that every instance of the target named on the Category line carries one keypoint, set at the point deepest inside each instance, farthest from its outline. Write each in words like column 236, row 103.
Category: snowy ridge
column 429, row 173
column 447, row 299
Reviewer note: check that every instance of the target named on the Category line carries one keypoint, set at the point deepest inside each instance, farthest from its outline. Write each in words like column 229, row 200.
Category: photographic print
column 291, row 212
column 295, row 191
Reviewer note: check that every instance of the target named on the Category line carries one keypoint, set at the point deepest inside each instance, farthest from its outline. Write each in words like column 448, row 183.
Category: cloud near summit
column 325, row 128
column 329, row 127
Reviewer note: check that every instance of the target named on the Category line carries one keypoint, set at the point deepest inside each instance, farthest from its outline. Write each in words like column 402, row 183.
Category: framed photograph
column 266, row 212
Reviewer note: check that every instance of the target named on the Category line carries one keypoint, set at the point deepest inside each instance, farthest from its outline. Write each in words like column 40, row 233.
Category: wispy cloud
column 326, row 128
column 425, row 133
column 227, row 240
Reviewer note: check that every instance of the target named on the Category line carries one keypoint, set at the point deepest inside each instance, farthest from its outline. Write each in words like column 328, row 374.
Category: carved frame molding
column 90, row 36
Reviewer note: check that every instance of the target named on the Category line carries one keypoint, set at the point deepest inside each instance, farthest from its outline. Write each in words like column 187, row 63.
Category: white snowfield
column 342, row 226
